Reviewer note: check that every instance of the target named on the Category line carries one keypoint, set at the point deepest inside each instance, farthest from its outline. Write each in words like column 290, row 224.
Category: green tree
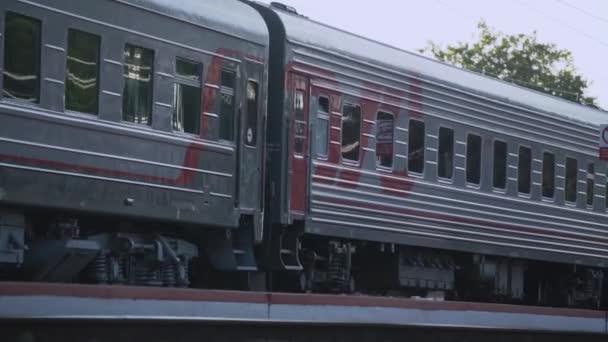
column 520, row 59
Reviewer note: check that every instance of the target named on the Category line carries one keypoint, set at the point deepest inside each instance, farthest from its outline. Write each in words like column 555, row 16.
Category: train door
column 299, row 144
column 249, row 142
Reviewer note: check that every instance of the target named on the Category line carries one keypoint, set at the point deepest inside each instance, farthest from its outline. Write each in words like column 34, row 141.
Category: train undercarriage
column 39, row 246
column 336, row 266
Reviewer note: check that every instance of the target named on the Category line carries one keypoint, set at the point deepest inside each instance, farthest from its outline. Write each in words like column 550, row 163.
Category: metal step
column 293, row 268
column 246, row 268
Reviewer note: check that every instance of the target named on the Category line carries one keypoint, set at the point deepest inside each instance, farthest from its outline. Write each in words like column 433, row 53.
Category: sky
column 580, row 26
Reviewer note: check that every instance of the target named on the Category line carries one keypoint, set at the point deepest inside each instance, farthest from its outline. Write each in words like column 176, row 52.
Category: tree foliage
column 520, row 59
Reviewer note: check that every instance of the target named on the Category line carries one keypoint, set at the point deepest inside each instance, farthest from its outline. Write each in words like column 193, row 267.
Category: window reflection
column 351, row 132
column 548, row 175
column 445, row 162
column 524, row 170
column 571, row 179
column 384, row 139
column 227, row 105
column 82, row 72
column 416, row 146
column 137, row 92
column 187, row 97
column 300, row 128
column 251, row 132
column 473, row 159
column 590, row 184
column 21, row 58
column 322, row 134
column 500, row 164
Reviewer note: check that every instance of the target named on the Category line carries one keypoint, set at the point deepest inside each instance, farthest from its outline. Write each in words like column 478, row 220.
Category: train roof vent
column 284, row 7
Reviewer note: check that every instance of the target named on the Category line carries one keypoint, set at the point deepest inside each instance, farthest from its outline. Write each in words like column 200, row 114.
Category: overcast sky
column 580, row 26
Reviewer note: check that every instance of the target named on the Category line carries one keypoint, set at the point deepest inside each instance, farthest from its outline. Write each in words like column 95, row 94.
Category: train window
column 500, row 164
column 473, row 159
column 228, row 81
column 322, row 133
column 384, row 139
column 590, row 184
column 137, row 92
column 416, row 146
column 548, row 175
column 82, row 72
column 571, row 179
column 445, row 162
column 251, row 133
column 187, row 97
column 324, row 105
column 300, row 123
column 22, row 58
column 524, row 170
column 351, row 132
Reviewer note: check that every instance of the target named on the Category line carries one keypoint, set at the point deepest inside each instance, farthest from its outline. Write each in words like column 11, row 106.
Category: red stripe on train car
column 183, row 179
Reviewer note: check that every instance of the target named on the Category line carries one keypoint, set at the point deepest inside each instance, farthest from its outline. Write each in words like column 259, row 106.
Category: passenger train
column 225, row 143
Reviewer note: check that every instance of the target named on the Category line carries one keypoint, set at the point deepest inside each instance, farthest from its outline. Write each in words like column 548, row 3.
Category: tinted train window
column 524, row 170
column 227, row 105
column 384, row 139
column 187, row 97
column 137, row 92
column 571, row 179
column 322, row 133
column 21, row 58
column 251, row 133
column 500, row 164
column 299, row 123
column 548, row 175
column 473, row 159
column 351, row 132
column 82, row 72
column 590, row 184
column 445, row 162
column 416, row 146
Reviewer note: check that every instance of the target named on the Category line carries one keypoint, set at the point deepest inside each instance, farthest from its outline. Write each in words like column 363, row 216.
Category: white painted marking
column 164, row 74
column 111, row 93
column 52, row 80
column 54, row 47
column 166, row 105
column 111, row 61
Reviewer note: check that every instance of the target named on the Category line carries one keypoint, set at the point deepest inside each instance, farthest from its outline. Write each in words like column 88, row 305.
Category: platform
column 92, row 302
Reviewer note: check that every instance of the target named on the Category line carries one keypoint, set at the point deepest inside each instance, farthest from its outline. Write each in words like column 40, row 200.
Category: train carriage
column 397, row 166
column 139, row 117
column 157, row 142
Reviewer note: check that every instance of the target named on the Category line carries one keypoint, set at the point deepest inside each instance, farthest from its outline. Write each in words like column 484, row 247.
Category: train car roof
column 226, row 16
column 303, row 30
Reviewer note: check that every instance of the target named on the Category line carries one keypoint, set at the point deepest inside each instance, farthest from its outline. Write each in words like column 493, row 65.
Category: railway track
column 66, row 312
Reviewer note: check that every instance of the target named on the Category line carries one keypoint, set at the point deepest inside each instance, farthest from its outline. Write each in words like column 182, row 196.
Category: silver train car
column 405, row 172
column 140, row 118
column 238, row 144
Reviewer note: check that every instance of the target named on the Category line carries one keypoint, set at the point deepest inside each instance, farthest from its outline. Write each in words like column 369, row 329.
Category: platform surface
column 91, row 302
